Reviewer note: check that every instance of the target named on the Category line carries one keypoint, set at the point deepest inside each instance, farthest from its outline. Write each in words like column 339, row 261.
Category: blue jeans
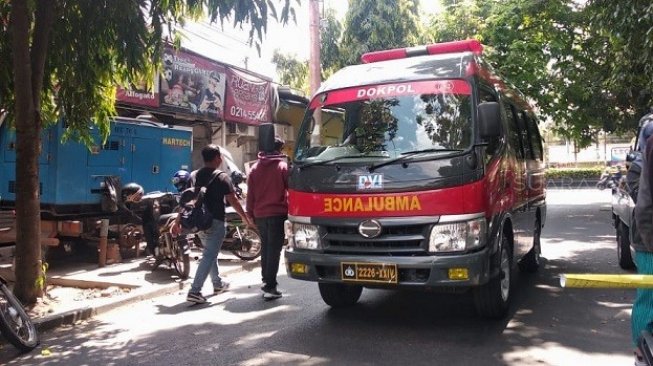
column 642, row 314
column 212, row 240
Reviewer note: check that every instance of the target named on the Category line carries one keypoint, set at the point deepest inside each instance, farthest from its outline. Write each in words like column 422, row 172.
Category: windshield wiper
column 322, row 162
column 406, row 154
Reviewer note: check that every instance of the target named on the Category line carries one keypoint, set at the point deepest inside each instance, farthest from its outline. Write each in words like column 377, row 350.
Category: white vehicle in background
column 624, row 196
column 623, row 214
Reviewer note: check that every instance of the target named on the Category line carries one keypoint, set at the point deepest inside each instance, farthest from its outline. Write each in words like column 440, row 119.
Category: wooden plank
column 8, row 275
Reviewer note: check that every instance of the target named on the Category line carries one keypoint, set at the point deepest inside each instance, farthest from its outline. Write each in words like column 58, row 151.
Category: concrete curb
column 71, row 317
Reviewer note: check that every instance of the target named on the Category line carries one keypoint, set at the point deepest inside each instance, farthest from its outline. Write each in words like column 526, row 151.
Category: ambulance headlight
column 457, row 236
column 302, row 236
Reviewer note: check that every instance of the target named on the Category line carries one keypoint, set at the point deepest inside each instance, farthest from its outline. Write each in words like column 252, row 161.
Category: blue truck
column 73, row 176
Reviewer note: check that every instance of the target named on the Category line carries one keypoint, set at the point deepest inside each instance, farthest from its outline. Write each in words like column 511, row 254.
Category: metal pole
column 605, row 148
column 314, row 61
column 102, row 247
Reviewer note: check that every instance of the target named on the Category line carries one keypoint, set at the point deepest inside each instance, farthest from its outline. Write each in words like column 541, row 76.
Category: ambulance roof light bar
column 470, row 45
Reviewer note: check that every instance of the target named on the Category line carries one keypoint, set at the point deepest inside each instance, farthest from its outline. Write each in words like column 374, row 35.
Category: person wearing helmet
column 131, row 195
column 181, row 180
column 132, row 198
column 132, row 192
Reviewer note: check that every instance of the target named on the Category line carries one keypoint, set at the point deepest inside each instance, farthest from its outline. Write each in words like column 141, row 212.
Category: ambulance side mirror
column 489, row 120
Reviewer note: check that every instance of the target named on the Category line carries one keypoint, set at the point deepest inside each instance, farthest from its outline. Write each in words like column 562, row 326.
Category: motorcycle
column 15, row 325
column 168, row 249
column 242, row 241
column 608, row 180
column 173, row 250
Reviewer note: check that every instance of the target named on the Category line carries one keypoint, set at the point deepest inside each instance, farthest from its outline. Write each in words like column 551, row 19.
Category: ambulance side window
column 523, row 131
column 513, row 131
column 536, row 139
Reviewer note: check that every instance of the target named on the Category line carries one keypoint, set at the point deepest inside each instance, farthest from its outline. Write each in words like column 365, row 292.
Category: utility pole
column 314, row 61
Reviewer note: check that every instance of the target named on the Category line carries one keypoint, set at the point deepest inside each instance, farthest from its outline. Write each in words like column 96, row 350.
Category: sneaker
column 271, row 294
column 640, row 362
column 196, row 298
column 222, row 288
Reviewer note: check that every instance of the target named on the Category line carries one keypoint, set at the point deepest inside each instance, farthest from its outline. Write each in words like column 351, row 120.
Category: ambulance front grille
column 393, row 240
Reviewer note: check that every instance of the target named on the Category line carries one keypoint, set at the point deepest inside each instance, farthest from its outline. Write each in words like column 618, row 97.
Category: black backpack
column 195, row 215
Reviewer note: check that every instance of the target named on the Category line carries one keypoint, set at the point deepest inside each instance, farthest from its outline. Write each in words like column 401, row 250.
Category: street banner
column 139, row 94
column 192, row 84
column 606, row 281
column 248, row 98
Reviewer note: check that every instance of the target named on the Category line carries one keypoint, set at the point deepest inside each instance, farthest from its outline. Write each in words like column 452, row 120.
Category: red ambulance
column 420, row 168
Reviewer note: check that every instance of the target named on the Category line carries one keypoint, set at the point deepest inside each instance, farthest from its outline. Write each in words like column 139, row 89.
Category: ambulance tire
column 492, row 299
column 338, row 295
column 623, row 247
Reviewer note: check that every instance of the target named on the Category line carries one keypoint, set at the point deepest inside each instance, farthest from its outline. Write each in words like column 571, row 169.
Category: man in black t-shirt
column 218, row 188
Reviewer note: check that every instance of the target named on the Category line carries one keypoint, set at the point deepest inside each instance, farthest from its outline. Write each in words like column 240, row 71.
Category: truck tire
column 531, row 261
column 340, row 296
column 492, row 300
column 623, row 247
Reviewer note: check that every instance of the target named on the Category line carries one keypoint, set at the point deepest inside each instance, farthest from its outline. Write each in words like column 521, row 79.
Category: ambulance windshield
column 384, row 121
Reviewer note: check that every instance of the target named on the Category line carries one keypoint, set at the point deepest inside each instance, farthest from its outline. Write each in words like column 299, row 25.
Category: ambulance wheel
column 340, row 296
column 493, row 299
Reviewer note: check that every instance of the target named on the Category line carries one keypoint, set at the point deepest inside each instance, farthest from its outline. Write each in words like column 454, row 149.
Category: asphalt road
column 548, row 325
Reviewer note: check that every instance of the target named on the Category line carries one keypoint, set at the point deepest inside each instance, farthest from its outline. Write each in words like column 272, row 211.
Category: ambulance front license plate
column 368, row 272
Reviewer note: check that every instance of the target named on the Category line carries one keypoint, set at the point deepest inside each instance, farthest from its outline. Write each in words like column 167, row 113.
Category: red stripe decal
column 469, row 198
column 372, row 92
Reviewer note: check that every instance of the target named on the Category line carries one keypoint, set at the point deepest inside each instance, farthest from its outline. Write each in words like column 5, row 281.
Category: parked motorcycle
column 166, row 249
column 608, row 180
column 173, row 250
column 242, row 241
column 15, row 325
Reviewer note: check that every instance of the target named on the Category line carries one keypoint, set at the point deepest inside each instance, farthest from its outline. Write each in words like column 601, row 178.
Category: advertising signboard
column 197, row 87
column 192, row 84
column 248, row 98
column 139, row 94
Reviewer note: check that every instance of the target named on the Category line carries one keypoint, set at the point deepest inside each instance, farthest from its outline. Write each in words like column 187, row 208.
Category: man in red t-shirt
column 267, row 206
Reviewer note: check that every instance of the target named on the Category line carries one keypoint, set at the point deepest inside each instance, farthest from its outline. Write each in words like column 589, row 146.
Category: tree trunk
column 28, row 81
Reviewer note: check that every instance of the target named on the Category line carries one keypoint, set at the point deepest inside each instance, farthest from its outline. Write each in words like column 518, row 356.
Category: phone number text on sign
column 258, row 115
